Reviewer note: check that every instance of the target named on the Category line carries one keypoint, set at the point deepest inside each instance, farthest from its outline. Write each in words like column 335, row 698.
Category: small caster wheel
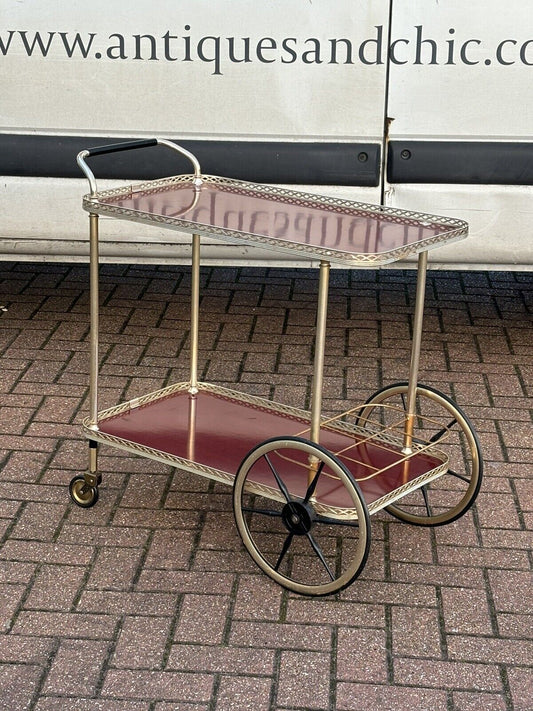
column 82, row 493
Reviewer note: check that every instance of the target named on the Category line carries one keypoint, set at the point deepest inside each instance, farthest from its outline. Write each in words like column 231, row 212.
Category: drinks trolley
column 304, row 486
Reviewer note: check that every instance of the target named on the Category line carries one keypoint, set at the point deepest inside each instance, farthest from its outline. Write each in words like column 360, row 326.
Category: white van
column 419, row 104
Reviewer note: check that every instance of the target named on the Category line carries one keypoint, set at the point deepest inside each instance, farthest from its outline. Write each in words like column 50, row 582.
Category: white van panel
column 474, row 70
column 165, row 69
column 455, row 71
column 499, row 217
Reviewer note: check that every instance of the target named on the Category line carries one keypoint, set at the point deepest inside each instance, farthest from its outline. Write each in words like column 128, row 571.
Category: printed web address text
column 220, row 53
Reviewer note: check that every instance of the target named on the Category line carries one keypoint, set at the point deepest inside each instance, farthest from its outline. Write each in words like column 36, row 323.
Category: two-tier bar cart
column 304, row 486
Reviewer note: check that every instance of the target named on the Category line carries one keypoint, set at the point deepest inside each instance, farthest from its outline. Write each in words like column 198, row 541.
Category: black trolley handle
column 130, row 145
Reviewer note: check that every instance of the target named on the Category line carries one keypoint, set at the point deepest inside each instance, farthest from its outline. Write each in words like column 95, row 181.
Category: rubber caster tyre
column 82, row 493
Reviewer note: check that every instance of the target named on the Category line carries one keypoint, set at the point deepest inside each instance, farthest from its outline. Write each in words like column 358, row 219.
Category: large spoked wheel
column 447, row 498
column 301, row 516
column 82, row 493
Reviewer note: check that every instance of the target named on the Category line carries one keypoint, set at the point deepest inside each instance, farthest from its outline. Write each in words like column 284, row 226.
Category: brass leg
column 94, row 325
column 92, row 478
column 195, row 310
column 415, row 349
column 318, row 372
column 191, row 433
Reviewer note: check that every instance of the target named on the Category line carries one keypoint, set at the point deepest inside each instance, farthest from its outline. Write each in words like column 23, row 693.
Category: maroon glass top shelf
column 339, row 231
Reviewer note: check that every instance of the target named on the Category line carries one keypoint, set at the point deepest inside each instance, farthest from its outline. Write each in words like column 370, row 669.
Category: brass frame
column 95, row 204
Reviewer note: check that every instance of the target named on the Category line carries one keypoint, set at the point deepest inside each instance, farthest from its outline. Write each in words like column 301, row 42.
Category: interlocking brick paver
column 416, row 632
column 142, row 642
column 521, row 684
column 157, row 685
column 223, row 659
column 60, row 703
column 465, row 611
column 362, row 655
column 69, row 625
column 304, row 680
column 508, row 587
column 447, row 674
column 18, row 683
column 466, row 701
column 362, row 697
column 279, row 635
column 148, row 601
column 76, row 668
column 202, row 619
column 129, row 603
column 236, row 693
column 55, row 587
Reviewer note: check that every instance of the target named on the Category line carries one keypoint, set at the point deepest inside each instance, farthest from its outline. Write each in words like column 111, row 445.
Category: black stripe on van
column 466, row 162
column 270, row 162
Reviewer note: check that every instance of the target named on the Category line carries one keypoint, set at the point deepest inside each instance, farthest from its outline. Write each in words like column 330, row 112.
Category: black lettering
column 523, row 53
column 119, row 48
column 231, row 49
column 216, row 52
column 166, row 38
column 151, row 38
column 420, row 42
column 378, row 42
column 499, row 56
column 464, row 58
column 289, row 50
column 36, row 41
column 187, row 57
column 4, row 48
column 392, row 50
column 270, row 44
column 313, row 54
column 70, row 48
column 348, row 55
column 451, row 44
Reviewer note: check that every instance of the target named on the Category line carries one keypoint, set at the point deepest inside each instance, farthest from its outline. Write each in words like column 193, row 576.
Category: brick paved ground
column 148, row 602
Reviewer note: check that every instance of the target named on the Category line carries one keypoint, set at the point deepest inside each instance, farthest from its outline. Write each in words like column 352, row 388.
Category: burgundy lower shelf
column 216, row 428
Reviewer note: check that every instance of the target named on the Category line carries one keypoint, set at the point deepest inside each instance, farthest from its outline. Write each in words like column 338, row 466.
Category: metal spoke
column 284, row 550
column 459, row 476
column 443, row 431
column 278, row 479
column 424, row 491
column 312, row 486
column 320, row 555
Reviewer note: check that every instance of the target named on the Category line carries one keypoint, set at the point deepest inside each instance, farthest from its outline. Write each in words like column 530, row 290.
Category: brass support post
column 318, row 372
column 415, row 349
column 94, row 317
column 191, row 428
column 195, row 311
column 320, row 343
column 93, row 458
